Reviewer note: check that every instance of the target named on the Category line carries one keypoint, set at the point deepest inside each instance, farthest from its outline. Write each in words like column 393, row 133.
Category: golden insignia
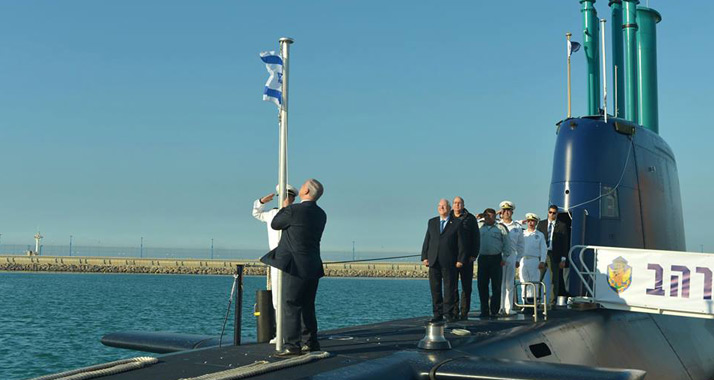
column 619, row 275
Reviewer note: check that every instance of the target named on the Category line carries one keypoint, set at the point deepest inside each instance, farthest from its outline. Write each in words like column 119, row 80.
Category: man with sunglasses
column 557, row 242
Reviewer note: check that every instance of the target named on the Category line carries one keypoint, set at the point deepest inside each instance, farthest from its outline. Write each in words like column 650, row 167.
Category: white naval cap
column 291, row 190
column 532, row 216
column 507, row 205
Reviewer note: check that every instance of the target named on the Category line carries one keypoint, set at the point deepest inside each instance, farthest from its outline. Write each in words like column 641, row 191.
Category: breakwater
column 194, row 266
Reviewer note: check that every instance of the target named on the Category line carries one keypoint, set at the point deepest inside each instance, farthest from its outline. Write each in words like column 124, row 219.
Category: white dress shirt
column 534, row 245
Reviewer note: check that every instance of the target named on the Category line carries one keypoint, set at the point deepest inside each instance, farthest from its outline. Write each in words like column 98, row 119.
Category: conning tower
column 616, row 182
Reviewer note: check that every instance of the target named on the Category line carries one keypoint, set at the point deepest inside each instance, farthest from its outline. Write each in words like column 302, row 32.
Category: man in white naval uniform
column 531, row 261
column 515, row 233
column 273, row 235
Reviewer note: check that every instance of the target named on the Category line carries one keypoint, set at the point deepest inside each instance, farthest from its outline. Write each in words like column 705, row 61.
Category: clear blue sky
column 144, row 118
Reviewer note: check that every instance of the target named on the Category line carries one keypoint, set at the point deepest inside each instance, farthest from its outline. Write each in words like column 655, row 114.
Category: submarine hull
column 590, row 344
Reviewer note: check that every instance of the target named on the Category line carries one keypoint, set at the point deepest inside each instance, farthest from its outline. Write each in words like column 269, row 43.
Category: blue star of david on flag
column 273, row 87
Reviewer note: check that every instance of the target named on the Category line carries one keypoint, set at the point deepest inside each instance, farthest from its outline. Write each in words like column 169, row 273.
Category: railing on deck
column 540, row 298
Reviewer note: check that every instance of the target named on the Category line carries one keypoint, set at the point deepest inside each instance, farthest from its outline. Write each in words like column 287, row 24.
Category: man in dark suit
column 557, row 240
column 298, row 256
column 472, row 241
column 443, row 252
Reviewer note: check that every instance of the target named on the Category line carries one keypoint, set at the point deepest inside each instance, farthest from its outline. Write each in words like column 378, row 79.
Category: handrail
column 536, row 295
column 590, row 272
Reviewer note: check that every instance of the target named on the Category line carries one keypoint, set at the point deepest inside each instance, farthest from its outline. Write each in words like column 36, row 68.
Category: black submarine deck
column 390, row 349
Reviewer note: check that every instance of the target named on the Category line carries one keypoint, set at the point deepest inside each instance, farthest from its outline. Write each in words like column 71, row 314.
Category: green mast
column 617, row 58
column 629, row 31
column 647, row 20
column 591, row 47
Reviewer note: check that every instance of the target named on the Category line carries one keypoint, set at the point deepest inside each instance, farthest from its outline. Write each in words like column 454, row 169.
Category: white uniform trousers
column 529, row 272
column 274, row 286
column 274, row 291
column 508, row 287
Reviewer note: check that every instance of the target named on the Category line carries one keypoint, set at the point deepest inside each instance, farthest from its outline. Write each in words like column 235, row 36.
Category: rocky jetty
column 191, row 266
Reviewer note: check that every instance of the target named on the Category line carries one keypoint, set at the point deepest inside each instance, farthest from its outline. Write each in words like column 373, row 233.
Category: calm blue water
column 52, row 322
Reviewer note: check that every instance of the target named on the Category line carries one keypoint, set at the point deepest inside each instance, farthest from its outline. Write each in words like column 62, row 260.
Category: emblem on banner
column 619, row 275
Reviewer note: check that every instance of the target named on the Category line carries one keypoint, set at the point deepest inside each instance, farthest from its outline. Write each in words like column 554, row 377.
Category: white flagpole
column 604, row 68
column 567, row 38
column 614, row 103
column 282, row 180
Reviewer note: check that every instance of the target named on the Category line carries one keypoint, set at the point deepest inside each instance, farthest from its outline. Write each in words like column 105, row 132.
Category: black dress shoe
column 484, row 315
column 311, row 347
column 288, row 351
column 451, row 320
column 436, row 319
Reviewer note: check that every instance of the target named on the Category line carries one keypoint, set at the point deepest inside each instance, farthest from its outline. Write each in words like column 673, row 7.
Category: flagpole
column 604, row 68
column 282, row 179
column 567, row 37
column 617, row 110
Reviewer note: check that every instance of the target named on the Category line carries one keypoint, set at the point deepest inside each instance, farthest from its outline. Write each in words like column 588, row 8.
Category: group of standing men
column 450, row 247
column 457, row 238
column 454, row 240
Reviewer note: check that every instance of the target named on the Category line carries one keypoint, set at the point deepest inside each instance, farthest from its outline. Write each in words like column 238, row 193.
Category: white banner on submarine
column 655, row 280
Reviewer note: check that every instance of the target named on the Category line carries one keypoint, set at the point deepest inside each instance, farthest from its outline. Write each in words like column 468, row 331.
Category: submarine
column 615, row 181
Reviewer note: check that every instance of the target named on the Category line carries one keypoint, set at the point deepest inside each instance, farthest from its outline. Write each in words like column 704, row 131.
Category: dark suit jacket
column 445, row 248
column 298, row 252
column 561, row 240
column 472, row 236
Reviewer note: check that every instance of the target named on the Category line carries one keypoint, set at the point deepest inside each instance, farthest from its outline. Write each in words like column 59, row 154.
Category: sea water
column 52, row 322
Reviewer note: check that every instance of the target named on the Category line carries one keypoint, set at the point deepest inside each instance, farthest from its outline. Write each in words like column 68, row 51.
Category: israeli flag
column 573, row 47
column 274, row 87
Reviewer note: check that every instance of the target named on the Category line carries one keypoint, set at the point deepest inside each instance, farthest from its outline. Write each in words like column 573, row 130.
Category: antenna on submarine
column 604, row 68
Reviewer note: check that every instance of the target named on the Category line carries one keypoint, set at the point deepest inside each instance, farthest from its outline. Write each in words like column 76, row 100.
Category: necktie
column 443, row 223
column 550, row 231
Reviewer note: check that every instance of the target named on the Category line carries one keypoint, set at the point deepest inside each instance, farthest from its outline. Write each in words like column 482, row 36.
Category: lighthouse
column 38, row 237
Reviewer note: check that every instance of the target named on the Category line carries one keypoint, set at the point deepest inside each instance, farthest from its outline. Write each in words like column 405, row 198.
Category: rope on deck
column 261, row 367
column 103, row 369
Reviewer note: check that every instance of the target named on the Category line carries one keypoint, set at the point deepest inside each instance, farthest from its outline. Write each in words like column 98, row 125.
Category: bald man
column 469, row 224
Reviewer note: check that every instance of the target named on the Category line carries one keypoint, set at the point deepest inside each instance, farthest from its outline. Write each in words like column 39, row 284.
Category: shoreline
column 19, row 263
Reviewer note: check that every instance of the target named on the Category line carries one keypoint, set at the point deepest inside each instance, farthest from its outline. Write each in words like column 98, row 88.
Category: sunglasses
column 551, row 212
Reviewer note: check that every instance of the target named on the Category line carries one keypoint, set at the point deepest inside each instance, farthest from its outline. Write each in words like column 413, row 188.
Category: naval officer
column 266, row 217
column 515, row 233
column 531, row 261
column 495, row 246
